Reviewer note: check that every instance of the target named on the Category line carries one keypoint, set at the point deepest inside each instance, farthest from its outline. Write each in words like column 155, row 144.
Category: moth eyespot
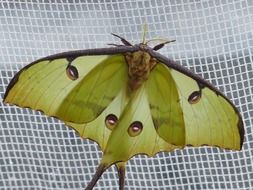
column 72, row 72
column 111, row 121
column 135, row 128
column 194, row 97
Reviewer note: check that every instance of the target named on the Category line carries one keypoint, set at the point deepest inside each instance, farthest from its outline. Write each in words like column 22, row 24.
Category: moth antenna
column 123, row 40
column 144, row 32
column 159, row 46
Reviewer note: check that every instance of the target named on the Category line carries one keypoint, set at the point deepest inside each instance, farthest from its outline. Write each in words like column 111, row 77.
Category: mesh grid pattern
column 214, row 39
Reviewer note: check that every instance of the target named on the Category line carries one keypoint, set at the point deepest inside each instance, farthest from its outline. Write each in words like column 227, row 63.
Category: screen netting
column 214, row 38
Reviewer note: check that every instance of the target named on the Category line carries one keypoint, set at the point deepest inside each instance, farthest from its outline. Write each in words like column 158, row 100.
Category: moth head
column 144, row 44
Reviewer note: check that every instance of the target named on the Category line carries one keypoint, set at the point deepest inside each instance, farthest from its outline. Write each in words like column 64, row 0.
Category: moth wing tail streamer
column 102, row 168
column 121, row 168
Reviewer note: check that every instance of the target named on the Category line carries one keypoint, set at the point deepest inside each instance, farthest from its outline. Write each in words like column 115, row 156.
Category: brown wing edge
column 172, row 64
column 70, row 55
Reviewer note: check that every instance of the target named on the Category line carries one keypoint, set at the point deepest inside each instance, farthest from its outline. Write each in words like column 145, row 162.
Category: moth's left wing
column 45, row 86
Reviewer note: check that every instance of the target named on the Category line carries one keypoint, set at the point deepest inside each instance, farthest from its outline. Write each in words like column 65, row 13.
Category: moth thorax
column 140, row 64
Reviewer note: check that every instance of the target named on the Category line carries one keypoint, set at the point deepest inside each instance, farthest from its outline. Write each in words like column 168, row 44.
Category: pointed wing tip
column 7, row 102
column 13, row 81
column 240, row 126
column 4, row 99
column 9, row 87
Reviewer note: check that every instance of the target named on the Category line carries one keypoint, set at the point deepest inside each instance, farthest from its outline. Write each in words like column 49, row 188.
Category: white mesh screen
column 214, row 39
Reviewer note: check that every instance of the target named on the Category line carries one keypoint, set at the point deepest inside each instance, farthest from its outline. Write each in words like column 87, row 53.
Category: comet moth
column 130, row 100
